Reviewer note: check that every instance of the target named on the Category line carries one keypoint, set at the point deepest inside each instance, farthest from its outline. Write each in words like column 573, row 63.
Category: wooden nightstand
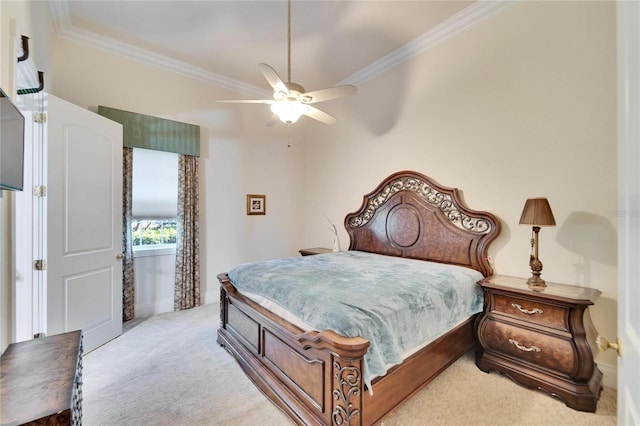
column 315, row 250
column 541, row 339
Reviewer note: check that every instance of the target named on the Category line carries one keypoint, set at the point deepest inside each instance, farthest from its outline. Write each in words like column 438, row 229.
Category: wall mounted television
column 11, row 145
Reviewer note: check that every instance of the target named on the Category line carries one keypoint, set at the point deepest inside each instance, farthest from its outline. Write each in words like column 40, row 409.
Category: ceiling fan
column 290, row 101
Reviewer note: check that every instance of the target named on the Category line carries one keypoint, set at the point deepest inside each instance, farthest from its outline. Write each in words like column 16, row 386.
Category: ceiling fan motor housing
column 295, row 91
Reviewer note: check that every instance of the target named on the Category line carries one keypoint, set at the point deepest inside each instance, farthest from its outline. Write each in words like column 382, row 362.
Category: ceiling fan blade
column 245, row 101
column 327, row 94
column 273, row 78
column 321, row 116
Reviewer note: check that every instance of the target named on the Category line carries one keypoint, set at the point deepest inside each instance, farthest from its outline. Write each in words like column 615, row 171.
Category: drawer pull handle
column 524, row 348
column 527, row 311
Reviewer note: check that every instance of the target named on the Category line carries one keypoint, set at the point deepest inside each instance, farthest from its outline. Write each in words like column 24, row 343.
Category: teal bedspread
column 399, row 305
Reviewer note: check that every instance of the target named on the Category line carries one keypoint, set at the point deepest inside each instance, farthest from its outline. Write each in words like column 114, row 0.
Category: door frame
column 30, row 239
column 628, row 61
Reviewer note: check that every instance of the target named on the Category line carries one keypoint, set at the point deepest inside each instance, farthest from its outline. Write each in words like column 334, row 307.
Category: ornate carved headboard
column 411, row 215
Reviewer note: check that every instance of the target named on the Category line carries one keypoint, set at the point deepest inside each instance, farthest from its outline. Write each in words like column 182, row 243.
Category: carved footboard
column 315, row 378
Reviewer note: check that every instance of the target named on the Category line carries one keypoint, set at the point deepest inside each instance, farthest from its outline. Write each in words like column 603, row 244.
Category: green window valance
column 160, row 134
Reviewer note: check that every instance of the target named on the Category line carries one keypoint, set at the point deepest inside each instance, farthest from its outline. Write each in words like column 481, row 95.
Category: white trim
column 609, row 375
column 65, row 29
column 159, row 250
column 60, row 14
column 143, row 310
column 457, row 23
column 628, row 72
column 30, row 215
column 26, row 287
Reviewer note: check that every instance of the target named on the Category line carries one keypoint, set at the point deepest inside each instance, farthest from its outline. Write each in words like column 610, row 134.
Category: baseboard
column 154, row 308
column 609, row 375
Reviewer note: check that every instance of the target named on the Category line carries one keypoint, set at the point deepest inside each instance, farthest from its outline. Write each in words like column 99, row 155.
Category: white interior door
column 629, row 212
column 84, row 223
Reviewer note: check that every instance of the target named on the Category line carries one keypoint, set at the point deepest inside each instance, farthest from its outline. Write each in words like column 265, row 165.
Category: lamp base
column 536, row 270
column 536, row 281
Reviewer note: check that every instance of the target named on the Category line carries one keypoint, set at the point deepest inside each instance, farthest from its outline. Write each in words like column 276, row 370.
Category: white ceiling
column 223, row 41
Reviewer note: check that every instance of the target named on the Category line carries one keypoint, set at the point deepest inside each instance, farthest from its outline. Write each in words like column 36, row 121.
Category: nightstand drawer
column 554, row 353
column 533, row 311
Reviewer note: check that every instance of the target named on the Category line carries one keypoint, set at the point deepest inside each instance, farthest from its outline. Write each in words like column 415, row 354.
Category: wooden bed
column 316, row 377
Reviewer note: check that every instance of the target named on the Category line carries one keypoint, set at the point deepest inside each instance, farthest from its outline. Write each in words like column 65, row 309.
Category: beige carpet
column 169, row 370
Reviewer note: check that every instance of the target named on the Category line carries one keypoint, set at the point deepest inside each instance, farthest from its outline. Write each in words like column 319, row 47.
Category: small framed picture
column 256, row 204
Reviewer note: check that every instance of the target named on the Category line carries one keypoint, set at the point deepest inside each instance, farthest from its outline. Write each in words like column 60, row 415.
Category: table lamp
column 536, row 212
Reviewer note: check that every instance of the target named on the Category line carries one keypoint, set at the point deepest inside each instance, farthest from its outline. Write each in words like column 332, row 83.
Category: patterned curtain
column 187, row 292
column 128, row 288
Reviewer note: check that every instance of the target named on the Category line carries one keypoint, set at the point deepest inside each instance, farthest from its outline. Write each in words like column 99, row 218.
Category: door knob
column 119, row 256
column 604, row 344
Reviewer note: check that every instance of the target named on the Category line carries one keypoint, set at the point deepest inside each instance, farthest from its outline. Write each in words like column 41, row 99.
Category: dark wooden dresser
column 541, row 338
column 41, row 381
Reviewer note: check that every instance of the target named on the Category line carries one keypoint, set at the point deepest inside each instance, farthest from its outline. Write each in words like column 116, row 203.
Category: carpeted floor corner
column 169, row 370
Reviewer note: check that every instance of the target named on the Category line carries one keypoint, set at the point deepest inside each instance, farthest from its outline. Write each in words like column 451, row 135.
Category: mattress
column 400, row 305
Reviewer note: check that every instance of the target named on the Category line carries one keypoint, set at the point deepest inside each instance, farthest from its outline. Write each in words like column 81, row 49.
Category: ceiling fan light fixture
column 288, row 111
column 290, row 100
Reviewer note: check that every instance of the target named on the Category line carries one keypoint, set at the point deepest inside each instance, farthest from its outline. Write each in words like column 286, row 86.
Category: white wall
column 239, row 155
column 33, row 20
column 521, row 105
column 154, row 275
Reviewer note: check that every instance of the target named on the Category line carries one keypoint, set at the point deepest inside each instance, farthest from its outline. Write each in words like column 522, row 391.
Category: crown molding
column 457, row 23
column 65, row 29
column 462, row 21
column 60, row 14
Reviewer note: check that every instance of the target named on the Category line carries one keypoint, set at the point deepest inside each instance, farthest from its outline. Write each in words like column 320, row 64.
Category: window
column 153, row 232
column 155, row 199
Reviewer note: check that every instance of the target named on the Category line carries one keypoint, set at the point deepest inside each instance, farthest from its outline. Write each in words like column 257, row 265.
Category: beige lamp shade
column 537, row 212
